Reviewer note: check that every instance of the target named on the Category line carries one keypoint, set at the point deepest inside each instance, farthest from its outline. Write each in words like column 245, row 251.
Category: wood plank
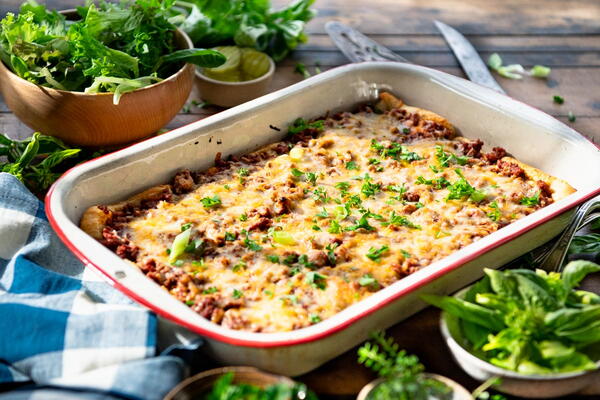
column 447, row 59
column 436, row 43
column 484, row 17
column 510, row 17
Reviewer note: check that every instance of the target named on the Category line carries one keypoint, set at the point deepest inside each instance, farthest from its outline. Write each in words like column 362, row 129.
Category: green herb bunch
column 246, row 23
column 532, row 322
column 403, row 373
column 39, row 160
column 113, row 48
column 225, row 389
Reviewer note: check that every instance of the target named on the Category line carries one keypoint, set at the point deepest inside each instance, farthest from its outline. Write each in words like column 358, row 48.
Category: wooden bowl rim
column 172, row 77
column 215, row 372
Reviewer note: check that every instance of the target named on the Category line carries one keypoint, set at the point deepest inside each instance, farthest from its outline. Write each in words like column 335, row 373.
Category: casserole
column 289, row 235
column 530, row 135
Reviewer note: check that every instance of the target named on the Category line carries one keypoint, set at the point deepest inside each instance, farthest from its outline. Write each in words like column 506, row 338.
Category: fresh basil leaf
column 201, row 57
column 572, row 318
column 476, row 334
column 589, row 243
column 575, row 271
column 534, row 294
column 501, row 283
column 467, row 311
column 587, row 334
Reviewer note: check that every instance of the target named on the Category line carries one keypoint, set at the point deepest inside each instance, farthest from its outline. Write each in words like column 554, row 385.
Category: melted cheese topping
column 348, row 231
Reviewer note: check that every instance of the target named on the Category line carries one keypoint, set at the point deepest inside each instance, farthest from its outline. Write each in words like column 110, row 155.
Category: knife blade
column 468, row 57
column 357, row 47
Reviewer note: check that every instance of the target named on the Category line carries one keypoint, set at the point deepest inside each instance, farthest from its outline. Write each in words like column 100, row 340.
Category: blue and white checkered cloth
column 64, row 333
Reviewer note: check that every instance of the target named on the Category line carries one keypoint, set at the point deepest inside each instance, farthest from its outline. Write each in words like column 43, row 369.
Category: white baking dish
column 529, row 134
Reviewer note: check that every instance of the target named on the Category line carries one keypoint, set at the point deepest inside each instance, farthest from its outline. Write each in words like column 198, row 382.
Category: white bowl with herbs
column 532, row 329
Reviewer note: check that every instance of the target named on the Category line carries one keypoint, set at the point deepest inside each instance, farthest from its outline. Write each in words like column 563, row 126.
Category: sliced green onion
column 558, row 99
column 180, row 242
column 572, row 116
column 512, row 71
column 284, row 238
column 540, row 71
column 495, row 61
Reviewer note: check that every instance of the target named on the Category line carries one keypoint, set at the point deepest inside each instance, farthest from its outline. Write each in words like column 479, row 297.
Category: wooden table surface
column 562, row 35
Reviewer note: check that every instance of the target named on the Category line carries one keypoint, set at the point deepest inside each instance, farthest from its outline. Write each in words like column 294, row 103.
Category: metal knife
column 357, row 48
column 468, row 57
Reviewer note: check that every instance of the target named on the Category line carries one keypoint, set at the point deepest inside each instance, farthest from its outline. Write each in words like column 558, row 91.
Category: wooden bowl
column 92, row 119
column 195, row 387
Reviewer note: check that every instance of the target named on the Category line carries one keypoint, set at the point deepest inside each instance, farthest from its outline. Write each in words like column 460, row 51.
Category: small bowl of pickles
column 245, row 75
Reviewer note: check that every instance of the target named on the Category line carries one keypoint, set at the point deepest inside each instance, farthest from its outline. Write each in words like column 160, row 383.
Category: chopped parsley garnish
column 531, row 201
column 354, row 201
column 401, row 220
column 314, row 318
column 558, row 99
column 230, row 237
column 226, row 187
column 210, row 290
column 362, row 223
column 495, row 214
column 211, row 202
column 320, row 194
column 395, row 151
column 351, row 165
column 303, row 260
column 438, row 183
column 444, row 158
column 296, row 172
column 308, row 176
column 405, row 130
column 190, row 302
column 374, row 161
column 239, row 266
column 405, row 254
column 334, row 227
column 331, row 253
column 316, row 228
column 323, row 214
column 273, row 258
column 301, row 124
column 462, row 189
column 343, row 186
column 311, row 177
column 237, row 294
column 368, row 280
column 370, row 189
column 376, row 254
column 316, row 280
column 243, row 172
column 185, row 227
column 251, row 244
column 244, row 217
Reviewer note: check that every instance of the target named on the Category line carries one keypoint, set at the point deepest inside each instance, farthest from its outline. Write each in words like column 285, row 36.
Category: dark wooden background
column 561, row 34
